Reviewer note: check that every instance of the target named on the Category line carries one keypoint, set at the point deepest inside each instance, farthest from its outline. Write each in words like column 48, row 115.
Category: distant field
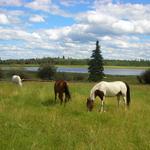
column 29, row 119
column 76, row 66
column 107, row 67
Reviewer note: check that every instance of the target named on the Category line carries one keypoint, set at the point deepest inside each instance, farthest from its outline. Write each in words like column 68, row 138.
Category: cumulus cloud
column 73, row 2
column 39, row 5
column 122, row 29
column 36, row 18
column 10, row 3
column 102, row 2
column 47, row 6
column 123, row 26
column 4, row 19
column 118, row 19
column 13, row 34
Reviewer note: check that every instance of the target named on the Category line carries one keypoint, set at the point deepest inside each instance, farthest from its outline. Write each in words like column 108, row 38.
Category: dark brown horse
column 60, row 88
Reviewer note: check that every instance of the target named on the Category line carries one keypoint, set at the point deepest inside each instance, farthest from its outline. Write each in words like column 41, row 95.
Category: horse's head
column 89, row 104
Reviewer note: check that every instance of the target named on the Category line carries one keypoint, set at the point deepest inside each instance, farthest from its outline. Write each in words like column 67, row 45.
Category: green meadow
column 31, row 120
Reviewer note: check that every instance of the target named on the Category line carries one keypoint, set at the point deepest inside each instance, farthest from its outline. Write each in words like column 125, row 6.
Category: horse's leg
column 61, row 98
column 125, row 102
column 102, row 104
column 55, row 96
column 118, row 99
column 66, row 99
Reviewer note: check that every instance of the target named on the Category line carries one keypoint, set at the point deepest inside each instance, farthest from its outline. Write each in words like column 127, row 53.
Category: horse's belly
column 111, row 93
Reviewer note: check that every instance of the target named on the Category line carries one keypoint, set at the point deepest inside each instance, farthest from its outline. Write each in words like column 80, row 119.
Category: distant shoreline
column 74, row 66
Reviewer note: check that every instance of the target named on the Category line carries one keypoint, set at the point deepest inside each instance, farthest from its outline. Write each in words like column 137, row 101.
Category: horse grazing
column 61, row 87
column 16, row 79
column 108, row 89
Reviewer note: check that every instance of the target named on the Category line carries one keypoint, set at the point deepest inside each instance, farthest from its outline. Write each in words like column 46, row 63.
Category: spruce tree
column 96, row 65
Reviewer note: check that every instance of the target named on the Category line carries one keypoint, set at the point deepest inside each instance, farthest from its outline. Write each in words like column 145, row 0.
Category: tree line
column 71, row 61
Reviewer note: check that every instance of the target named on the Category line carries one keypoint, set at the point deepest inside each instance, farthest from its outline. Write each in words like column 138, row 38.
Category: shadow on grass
column 52, row 102
column 49, row 102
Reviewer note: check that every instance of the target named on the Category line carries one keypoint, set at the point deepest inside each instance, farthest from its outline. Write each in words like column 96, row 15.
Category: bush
column 146, row 77
column 47, row 72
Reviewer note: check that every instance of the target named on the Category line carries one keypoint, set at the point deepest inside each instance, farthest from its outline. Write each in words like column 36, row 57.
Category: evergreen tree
column 96, row 65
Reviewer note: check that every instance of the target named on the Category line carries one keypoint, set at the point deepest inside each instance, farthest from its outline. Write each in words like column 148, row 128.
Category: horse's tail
column 67, row 92
column 128, row 94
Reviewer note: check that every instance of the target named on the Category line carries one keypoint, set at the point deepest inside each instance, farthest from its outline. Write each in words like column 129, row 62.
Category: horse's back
column 60, row 82
column 112, row 88
column 17, row 79
column 59, row 85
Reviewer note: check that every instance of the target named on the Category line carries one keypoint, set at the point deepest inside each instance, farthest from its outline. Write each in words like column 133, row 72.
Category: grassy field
column 30, row 120
column 105, row 67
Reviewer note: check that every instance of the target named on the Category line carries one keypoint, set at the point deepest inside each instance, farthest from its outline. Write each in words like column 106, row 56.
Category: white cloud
column 10, row 3
column 142, row 26
column 73, row 2
column 57, row 34
column 47, row 6
column 76, row 32
column 39, row 5
column 102, row 2
column 123, row 31
column 36, row 18
column 13, row 18
column 14, row 34
column 4, row 19
column 117, row 19
column 123, row 26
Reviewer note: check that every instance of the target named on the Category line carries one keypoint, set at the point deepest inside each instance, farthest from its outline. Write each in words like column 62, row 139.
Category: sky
column 70, row 28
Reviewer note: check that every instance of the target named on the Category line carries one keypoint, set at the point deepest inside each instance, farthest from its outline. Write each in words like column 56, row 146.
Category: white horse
column 16, row 79
column 108, row 89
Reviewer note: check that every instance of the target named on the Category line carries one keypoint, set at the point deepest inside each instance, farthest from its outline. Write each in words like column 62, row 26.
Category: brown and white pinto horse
column 61, row 87
column 108, row 89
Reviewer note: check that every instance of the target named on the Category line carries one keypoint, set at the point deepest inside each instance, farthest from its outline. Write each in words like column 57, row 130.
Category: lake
column 85, row 70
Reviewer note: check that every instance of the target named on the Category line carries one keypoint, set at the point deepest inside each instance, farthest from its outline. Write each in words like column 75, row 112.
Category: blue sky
column 70, row 28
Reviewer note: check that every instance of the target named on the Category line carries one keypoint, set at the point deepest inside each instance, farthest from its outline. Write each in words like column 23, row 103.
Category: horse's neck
column 92, row 95
column 98, row 86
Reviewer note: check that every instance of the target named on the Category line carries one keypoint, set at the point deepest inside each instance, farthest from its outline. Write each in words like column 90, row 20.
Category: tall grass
column 30, row 119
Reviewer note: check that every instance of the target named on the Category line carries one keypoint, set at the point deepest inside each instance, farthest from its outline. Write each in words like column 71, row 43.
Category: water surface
column 109, row 71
